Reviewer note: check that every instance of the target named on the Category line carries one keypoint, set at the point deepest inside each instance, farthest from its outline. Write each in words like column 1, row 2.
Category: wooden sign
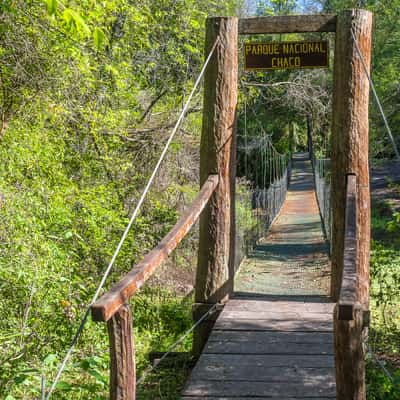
column 286, row 55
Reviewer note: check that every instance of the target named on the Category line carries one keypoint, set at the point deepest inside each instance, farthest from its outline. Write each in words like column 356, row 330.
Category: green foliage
column 89, row 90
column 385, row 297
column 51, row 6
column 380, row 386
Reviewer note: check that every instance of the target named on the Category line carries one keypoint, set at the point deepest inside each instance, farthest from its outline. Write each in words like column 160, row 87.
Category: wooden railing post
column 349, row 155
column 215, row 270
column 122, row 355
column 350, row 315
column 350, row 142
column 349, row 356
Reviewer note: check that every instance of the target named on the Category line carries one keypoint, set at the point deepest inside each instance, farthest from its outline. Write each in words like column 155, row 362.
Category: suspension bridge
column 291, row 322
column 274, row 337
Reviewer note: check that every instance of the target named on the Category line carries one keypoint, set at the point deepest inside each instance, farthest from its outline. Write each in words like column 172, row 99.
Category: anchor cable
column 132, row 219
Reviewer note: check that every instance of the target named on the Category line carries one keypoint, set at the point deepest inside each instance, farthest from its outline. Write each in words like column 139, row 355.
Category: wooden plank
column 348, row 290
column 276, row 315
column 122, row 355
column 220, row 371
column 272, row 337
column 252, row 398
column 215, row 269
column 288, row 24
column 256, row 304
column 120, row 293
column 261, row 361
column 257, row 389
column 274, row 325
column 240, row 347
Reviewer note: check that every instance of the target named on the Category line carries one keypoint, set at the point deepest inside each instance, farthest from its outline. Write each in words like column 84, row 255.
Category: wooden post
column 350, row 143
column 122, row 357
column 349, row 155
column 349, row 356
column 215, row 270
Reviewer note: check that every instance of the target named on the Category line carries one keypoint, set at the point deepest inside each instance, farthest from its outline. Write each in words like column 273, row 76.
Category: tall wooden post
column 349, row 155
column 350, row 141
column 215, row 270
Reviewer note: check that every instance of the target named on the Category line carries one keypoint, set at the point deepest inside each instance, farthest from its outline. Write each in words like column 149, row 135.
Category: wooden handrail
column 348, row 291
column 120, row 293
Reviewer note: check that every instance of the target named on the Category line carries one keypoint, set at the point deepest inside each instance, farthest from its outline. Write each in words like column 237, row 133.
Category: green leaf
column 64, row 386
column 75, row 21
column 50, row 359
column 98, row 38
column 20, row 379
column 68, row 235
column 51, row 6
column 97, row 375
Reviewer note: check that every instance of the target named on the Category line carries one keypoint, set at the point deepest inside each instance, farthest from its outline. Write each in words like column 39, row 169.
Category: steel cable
column 132, row 219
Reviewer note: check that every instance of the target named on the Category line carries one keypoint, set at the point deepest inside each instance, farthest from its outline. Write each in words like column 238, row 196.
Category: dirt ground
column 385, row 178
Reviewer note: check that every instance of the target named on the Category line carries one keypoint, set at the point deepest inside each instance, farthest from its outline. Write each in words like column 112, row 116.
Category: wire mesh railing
column 321, row 167
column 259, row 196
column 266, row 202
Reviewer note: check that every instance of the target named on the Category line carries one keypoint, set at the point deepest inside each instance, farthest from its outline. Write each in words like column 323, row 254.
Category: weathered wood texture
column 251, row 398
column 122, row 357
column 350, row 143
column 288, row 24
column 349, row 356
column 349, row 155
column 348, row 291
column 120, row 293
column 215, row 270
column 250, row 357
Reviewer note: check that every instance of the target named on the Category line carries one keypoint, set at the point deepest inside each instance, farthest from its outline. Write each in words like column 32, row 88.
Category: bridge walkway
column 274, row 338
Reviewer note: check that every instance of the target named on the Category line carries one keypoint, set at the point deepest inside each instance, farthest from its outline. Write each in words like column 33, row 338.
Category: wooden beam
column 288, row 24
column 348, row 290
column 122, row 355
column 119, row 294
column 215, row 270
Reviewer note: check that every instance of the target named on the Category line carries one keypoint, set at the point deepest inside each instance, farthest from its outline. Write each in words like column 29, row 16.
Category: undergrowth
column 384, row 333
column 160, row 317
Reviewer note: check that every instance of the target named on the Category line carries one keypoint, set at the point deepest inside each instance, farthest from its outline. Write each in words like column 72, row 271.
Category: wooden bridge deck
column 274, row 337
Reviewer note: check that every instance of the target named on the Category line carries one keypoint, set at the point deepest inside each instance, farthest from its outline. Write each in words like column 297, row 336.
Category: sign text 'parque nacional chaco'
column 286, row 55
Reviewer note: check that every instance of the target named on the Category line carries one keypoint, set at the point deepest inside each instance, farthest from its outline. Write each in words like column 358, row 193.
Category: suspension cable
column 179, row 341
column 376, row 96
column 382, row 366
column 133, row 217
